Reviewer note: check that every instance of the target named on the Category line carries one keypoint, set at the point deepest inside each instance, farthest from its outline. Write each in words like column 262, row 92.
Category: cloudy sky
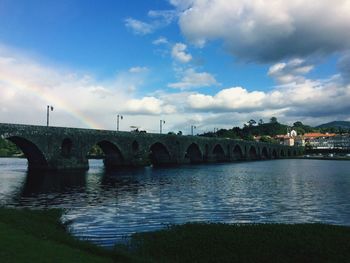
column 208, row 63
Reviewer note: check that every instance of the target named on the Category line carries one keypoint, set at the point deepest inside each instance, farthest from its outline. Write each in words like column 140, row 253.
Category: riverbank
column 334, row 158
column 38, row 236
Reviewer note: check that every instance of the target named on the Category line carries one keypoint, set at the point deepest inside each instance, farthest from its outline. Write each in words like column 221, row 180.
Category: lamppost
column 49, row 107
column 161, row 122
column 121, row 117
column 192, row 128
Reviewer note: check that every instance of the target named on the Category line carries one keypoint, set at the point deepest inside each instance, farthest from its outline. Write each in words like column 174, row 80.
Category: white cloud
column 159, row 19
column 178, row 52
column 148, row 105
column 165, row 16
column 160, row 41
column 138, row 69
column 300, row 98
column 139, row 27
column 231, row 99
column 291, row 71
column 192, row 79
column 344, row 67
column 265, row 30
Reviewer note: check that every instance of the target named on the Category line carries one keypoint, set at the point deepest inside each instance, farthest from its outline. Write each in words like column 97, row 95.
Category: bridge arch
column 113, row 156
column 194, row 153
column 294, row 153
column 159, row 154
column 264, row 154
column 253, row 155
column 289, row 153
column 282, row 153
column 274, row 154
column 219, row 153
column 36, row 158
column 237, row 153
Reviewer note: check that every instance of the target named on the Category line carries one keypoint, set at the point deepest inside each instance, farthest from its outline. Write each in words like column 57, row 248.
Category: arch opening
column 109, row 152
column 264, row 154
column 66, row 147
column 289, row 153
column 283, row 154
column 252, row 153
column 237, row 153
column 159, row 154
column 274, row 154
column 219, row 154
column 36, row 158
column 194, row 153
column 294, row 153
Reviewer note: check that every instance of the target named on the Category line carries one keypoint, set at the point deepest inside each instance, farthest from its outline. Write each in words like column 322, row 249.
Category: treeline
column 8, row 149
column 268, row 130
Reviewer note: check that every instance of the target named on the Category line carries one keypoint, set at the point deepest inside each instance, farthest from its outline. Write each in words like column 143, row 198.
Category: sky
column 207, row 63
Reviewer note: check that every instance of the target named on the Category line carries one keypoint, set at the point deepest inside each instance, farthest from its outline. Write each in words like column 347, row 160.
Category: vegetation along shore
column 39, row 236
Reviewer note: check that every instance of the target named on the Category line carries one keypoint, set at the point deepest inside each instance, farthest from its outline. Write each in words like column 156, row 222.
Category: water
column 105, row 208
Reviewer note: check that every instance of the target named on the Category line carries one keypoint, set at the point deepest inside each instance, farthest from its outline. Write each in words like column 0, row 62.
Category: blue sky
column 214, row 63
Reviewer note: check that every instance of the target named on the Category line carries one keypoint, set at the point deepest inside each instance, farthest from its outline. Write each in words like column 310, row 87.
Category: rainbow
column 86, row 121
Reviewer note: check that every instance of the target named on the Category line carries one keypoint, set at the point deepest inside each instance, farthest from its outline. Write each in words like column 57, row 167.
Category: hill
column 336, row 124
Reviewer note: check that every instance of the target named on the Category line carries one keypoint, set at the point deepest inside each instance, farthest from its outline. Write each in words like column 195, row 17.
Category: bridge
column 58, row 148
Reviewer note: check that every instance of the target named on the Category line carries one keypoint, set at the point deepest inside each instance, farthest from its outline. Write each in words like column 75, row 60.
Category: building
column 341, row 142
column 288, row 139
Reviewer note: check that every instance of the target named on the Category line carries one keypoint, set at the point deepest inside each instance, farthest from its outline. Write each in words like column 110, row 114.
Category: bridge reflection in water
column 56, row 148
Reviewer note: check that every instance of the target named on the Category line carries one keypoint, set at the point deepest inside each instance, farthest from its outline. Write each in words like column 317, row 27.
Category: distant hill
column 336, row 124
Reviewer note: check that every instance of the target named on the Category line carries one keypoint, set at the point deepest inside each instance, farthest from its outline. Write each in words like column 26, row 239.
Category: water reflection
column 105, row 206
column 37, row 183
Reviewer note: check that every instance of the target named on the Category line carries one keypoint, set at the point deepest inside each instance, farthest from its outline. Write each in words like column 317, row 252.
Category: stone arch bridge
column 67, row 148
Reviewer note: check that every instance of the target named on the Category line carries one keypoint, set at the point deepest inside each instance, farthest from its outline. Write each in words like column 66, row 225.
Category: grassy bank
column 37, row 236
column 245, row 243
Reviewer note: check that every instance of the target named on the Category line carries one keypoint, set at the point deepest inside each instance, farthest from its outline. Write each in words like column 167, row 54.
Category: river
column 106, row 207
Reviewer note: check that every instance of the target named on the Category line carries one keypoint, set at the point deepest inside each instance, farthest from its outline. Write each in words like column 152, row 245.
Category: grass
column 244, row 243
column 38, row 236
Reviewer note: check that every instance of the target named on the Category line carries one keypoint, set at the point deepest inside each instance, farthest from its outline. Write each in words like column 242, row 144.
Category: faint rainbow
column 56, row 102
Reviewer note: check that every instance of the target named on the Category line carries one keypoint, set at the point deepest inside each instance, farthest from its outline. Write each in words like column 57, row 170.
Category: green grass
column 244, row 243
column 38, row 236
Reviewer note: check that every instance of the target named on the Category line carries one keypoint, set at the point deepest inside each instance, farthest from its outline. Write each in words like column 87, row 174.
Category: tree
column 273, row 120
column 298, row 124
column 268, row 139
column 251, row 123
column 261, row 122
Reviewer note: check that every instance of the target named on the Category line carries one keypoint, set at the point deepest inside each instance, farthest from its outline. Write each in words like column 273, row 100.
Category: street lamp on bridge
column 48, row 109
column 161, row 122
column 121, row 117
column 192, row 128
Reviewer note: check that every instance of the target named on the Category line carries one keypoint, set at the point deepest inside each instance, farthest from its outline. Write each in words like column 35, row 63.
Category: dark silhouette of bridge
column 67, row 148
